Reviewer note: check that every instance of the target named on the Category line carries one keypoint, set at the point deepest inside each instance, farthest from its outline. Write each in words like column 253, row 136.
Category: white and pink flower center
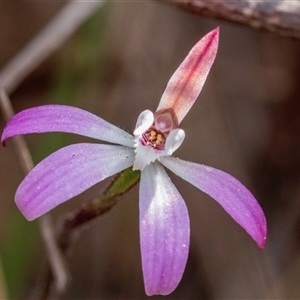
column 156, row 135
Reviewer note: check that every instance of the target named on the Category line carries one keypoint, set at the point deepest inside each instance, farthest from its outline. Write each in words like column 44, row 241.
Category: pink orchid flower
column 164, row 220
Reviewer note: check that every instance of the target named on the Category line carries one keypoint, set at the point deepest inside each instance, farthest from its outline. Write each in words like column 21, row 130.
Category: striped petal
column 62, row 118
column 186, row 83
column 164, row 231
column 235, row 198
column 68, row 172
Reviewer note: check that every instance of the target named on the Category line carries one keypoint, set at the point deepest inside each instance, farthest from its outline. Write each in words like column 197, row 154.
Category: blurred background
column 246, row 122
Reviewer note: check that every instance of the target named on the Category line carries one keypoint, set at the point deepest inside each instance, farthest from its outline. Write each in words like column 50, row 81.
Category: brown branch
column 280, row 17
column 47, row 41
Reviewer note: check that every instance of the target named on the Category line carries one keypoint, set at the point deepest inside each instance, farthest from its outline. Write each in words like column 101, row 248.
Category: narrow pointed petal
column 234, row 197
column 68, row 172
column 63, row 118
column 164, row 231
column 186, row 83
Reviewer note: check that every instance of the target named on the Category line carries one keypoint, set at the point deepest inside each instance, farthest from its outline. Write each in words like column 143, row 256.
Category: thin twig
column 281, row 17
column 56, row 258
column 47, row 41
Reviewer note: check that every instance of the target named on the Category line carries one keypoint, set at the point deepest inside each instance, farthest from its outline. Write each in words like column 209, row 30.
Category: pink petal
column 67, row 173
column 164, row 231
column 187, row 81
column 62, row 118
column 235, row 198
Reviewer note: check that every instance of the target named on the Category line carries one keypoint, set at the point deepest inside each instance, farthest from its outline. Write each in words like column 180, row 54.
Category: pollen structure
column 154, row 138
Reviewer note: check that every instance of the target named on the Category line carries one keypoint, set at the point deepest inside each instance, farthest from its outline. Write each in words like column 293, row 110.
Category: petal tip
column 3, row 138
column 214, row 36
column 150, row 291
column 216, row 31
column 28, row 214
column 261, row 237
column 263, row 243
